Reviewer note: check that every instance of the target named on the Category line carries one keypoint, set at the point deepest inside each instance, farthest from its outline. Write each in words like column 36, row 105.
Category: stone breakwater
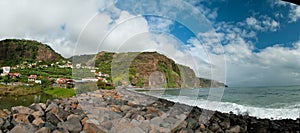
column 126, row 111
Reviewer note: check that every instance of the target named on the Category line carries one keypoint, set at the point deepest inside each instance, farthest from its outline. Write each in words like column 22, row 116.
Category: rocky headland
column 126, row 111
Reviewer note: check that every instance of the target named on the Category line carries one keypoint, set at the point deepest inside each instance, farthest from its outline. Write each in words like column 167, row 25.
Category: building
column 38, row 81
column 63, row 82
column 14, row 75
column 32, row 78
column 6, row 70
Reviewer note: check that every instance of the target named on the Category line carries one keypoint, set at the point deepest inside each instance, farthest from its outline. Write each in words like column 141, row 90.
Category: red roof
column 32, row 76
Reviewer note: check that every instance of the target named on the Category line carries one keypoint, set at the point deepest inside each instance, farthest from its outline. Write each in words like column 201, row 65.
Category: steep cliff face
column 148, row 70
column 13, row 52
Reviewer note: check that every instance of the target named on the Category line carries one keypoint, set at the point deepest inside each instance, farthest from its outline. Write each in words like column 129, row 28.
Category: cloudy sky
column 253, row 43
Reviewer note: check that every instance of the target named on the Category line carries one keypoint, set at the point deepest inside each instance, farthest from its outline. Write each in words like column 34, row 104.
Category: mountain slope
column 148, row 70
column 14, row 51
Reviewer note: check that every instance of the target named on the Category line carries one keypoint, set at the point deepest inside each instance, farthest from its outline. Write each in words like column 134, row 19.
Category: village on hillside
column 57, row 74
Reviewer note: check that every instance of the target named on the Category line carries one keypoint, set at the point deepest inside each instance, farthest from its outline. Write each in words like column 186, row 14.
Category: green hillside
column 148, row 69
column 14, row 52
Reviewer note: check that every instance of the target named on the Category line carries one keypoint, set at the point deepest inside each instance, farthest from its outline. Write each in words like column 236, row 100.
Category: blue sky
column 242, row 43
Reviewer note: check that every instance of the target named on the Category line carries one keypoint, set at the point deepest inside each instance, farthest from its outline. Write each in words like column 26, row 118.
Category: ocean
column 261, row 102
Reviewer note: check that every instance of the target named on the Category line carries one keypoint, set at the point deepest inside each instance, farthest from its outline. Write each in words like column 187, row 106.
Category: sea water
column 261, row 102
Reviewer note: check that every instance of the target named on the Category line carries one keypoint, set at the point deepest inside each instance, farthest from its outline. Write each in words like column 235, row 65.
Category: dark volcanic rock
column 127, row 111
column 52, row 119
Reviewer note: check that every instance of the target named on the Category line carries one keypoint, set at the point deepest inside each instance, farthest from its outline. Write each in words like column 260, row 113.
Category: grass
column 60, row 92
column 7, row 90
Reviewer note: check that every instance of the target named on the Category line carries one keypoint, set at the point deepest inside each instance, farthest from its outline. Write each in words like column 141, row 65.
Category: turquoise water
column 264, row 102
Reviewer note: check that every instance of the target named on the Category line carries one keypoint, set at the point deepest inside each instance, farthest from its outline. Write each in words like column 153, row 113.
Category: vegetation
column 14, row 52
column 86, row 87
column 136, row 68
column 8, row 90
column 59, row 92
column 105, row 86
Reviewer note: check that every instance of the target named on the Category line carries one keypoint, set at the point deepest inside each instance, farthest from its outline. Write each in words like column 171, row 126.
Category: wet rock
column 192, row 124
column 225, row 124
column 214, row 127
column 235, row 129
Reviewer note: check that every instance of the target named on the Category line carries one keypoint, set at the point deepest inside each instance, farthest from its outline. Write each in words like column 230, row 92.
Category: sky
column 252, row 43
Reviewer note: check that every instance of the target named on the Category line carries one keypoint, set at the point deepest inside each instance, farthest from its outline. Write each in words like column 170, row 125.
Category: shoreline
column 224, row 107
column 124, row 110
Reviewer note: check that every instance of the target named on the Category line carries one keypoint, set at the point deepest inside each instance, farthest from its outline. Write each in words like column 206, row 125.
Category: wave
column 291, row 112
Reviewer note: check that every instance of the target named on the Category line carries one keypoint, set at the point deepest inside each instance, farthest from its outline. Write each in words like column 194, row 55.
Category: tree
column 5, row 79
column 101, row 84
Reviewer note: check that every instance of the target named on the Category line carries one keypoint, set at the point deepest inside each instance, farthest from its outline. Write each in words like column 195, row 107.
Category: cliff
column 148, row 70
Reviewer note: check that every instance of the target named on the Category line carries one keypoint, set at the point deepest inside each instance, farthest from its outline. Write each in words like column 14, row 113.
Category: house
column 32, row 78
column 106, row 75
column 98, row 73
column 38, row 81
column 6, row 70
column 14, row 75
column 78, row 66
column 61, row 81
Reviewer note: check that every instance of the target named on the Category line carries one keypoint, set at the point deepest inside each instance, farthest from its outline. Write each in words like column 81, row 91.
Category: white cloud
column 274, row 65
column 42, row 20
column 294, row 10
column 294, row 13
column 263, row 23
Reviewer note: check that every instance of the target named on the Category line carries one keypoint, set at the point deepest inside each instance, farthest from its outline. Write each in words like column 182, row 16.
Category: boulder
column 156, row 121
column 192, row 124
column 72, row 125
column 50, row 117
column 53, row 108
column 62, row 114
column 93, row 128
column 43, row 130
column 18, row 129
column 214, row 127
column 37, row 121
column 235, row 129
column 21, row 110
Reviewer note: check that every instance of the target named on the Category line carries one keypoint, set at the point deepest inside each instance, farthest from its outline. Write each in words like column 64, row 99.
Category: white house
column 6, row 70
column 38, row 81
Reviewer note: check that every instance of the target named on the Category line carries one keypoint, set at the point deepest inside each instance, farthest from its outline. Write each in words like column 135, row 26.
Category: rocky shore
column 125, row 111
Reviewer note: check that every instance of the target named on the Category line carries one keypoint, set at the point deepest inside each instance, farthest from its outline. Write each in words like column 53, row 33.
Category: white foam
column 226, row 107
